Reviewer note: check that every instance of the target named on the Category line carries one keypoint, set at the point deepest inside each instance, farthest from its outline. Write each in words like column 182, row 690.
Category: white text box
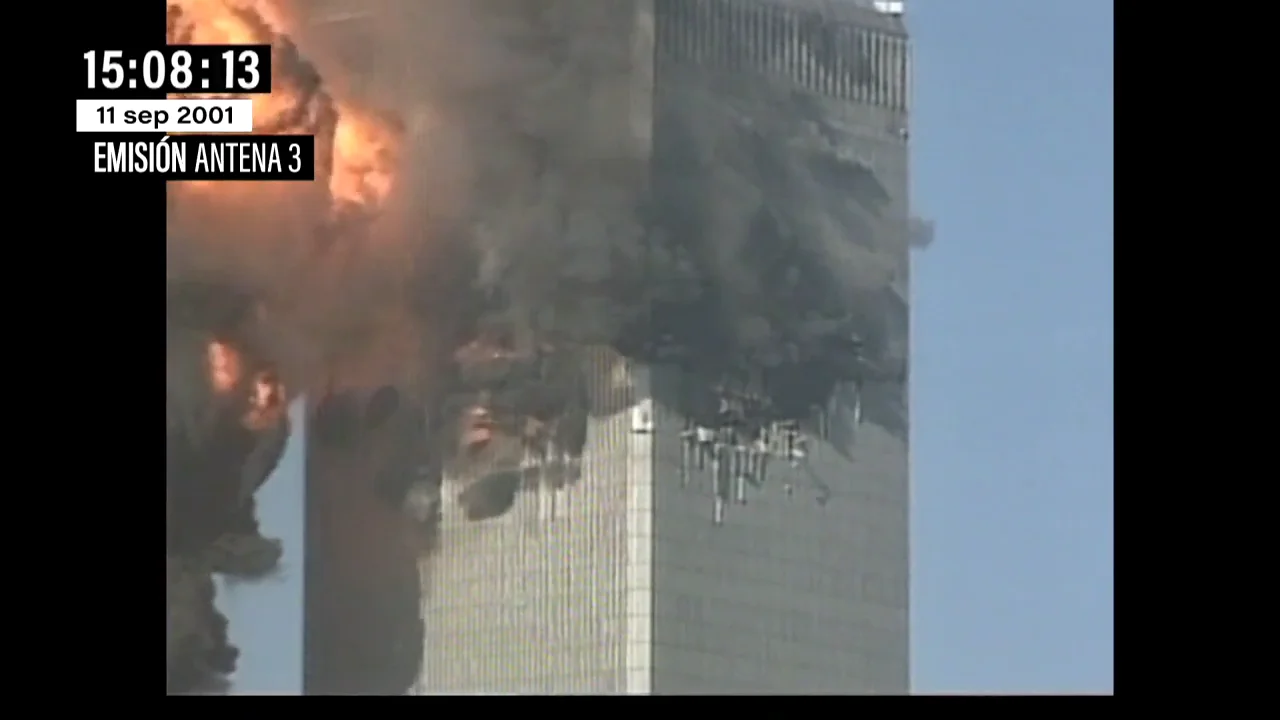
column 171, row 115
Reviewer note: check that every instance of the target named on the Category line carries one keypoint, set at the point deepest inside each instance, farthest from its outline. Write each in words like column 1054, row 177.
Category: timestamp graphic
column 216, row 69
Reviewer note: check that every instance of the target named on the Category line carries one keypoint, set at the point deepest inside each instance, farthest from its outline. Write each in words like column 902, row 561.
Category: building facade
column 644, row 577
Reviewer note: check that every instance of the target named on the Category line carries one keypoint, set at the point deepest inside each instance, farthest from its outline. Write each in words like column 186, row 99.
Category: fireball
column 355, row 148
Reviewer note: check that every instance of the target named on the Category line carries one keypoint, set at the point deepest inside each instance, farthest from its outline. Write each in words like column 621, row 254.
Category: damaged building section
column 561, row 256
column 745, row 384
column 780, row 171
column 227, row 426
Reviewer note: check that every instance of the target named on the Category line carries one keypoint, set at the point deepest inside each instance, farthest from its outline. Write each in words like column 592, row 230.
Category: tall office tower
column 683, row 556
column 630, row 413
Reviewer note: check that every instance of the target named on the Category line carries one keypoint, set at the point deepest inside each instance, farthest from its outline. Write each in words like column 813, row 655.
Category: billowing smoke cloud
column 271, row 287
column 226, row 429
column 524, row 180
column 489, row 217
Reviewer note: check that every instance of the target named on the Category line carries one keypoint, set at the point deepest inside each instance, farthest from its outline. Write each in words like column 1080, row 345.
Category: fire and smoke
column 225, row 432
column 356, row 149
column 254, row 270
column 471, row 260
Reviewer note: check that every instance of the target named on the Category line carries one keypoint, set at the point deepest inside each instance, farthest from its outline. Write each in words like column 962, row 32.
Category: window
column 877, row 69
column 906, row 76
column 839, row 60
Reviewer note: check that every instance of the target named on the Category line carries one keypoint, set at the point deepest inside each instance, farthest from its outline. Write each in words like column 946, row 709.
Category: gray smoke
column 226, row 430
column 548, row 202
column 741, row 242
column 549, row 208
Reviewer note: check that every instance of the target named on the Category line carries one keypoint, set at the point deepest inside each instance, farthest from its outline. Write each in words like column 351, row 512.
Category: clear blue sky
column 1012, row 445
column 1012, row 382
column 266, row 617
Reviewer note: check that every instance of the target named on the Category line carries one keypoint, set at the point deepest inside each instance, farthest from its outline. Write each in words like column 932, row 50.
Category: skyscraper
column 682, row 561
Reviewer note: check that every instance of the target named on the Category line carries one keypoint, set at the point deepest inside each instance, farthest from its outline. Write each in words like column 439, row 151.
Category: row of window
column 835, row 59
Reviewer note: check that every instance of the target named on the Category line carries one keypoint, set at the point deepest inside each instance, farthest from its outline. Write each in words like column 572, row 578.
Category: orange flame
column 360, row 164
column 225, row 367
column 266, row 394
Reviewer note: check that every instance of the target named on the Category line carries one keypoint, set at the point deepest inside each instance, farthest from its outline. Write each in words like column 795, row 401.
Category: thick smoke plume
column 226, row 430
column 486, row 224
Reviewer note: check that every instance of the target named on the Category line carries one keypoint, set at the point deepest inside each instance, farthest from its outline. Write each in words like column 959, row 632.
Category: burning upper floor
column 492, row 215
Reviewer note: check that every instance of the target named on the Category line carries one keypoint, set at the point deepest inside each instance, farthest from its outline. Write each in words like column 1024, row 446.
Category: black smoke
column 222, row 443
column 742, row 250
